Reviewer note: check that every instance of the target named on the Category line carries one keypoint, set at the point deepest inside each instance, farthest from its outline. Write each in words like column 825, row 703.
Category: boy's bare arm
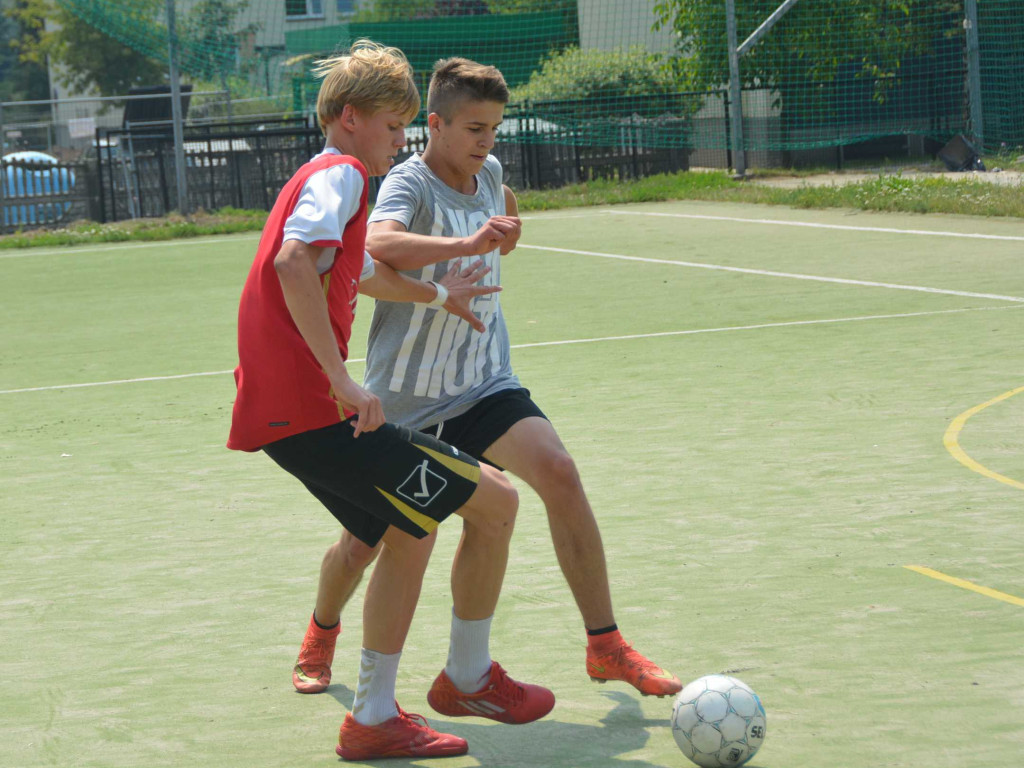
column 461, row 285
column 512, row 211
column 304, row 296
column 391, row 243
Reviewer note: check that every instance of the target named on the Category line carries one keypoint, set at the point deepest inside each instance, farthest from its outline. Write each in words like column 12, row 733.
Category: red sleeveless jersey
column 282, row 389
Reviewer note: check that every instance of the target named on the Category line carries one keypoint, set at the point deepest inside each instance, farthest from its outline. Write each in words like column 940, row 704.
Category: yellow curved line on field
column 950, row 440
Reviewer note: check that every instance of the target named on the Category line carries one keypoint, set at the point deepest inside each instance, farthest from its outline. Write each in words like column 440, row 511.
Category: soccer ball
column 718, row 721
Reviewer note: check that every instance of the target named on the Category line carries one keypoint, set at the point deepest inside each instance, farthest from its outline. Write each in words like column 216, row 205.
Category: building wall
column 610, row 24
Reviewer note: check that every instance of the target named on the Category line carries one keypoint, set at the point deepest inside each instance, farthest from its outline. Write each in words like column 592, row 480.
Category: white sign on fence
column 81, row 127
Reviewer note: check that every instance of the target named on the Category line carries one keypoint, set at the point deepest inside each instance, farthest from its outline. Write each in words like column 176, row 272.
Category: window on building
column 303, row 8
column 346, row 7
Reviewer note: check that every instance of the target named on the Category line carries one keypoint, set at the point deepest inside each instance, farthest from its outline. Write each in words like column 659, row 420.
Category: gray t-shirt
column 425, row 364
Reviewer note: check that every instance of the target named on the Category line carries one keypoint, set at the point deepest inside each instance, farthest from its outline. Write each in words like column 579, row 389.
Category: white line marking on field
column 815, row 225
column 112, row 247
column 769, row 273
column 693, row 332
column 789, row 324
column 546, row 217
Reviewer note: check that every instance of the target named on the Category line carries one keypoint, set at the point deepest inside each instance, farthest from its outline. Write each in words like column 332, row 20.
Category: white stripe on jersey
column 418, row 315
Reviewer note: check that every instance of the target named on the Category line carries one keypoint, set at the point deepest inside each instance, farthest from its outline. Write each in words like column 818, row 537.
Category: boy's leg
column 340, row 573
column 376, row 727
column 532, row 450
column 471, row 683
column 394, row 590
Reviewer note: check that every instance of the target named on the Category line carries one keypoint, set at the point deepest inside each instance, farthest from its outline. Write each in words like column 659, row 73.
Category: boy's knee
column 499, row 518
column 354, row 554
column 560, row 471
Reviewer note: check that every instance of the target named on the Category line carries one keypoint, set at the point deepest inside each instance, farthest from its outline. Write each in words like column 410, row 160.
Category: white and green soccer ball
column 718, row 721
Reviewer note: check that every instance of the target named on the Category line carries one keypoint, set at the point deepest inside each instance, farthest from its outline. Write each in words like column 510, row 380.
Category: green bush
column 584, row 84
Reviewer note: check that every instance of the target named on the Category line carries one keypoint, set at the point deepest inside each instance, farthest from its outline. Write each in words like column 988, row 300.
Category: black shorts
column 391, row 476
column 477, row 429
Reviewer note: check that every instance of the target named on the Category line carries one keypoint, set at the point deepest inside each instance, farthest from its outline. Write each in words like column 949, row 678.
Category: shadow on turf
column 549, row 743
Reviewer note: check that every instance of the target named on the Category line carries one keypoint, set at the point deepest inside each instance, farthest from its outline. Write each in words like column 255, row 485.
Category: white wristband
column 442, row 295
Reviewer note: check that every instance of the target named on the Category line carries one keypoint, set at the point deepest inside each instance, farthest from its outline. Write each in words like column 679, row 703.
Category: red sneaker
column 407, row 735
column 312, row 671
column 626, row 664
column 502, row 699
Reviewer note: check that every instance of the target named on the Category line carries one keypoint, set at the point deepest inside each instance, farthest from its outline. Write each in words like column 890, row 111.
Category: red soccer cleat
column 626, row 664
column 407, row 735
column 312, row 671
column 502, row 699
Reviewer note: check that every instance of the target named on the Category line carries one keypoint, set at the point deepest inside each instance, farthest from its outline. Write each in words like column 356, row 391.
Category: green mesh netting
column 830, row 73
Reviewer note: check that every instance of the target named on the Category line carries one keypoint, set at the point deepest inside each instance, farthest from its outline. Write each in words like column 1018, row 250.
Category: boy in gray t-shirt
column 424, row 368
column 433, row 373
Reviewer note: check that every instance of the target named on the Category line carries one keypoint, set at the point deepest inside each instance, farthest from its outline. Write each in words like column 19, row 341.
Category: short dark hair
column 457, row 79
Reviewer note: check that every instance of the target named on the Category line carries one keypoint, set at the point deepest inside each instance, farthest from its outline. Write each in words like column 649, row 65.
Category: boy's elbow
column 286, row 264
column 375, row 246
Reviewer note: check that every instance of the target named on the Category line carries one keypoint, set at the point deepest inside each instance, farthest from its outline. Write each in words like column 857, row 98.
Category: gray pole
column 974, row 73
column 768, row 23
column 3, row 170
column 176, row 116
column 739, row 158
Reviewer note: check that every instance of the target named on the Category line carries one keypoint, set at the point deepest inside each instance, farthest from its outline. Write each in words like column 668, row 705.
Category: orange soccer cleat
column 406, row 735
column 624, row 663
column 312, row 671
column 502, row 699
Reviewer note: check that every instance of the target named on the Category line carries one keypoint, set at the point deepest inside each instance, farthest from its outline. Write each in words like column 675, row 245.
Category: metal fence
column 244, row 165
column 35, row 194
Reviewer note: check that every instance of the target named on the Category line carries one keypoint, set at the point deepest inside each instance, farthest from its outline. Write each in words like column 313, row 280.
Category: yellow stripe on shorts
column 461, row 468
column 428, row 524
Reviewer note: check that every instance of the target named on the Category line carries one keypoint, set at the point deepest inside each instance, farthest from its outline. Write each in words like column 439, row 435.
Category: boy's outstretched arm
column 391, row 243
column 459, row 283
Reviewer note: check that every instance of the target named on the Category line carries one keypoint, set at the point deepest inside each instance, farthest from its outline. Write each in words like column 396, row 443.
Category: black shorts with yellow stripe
column 391, row 476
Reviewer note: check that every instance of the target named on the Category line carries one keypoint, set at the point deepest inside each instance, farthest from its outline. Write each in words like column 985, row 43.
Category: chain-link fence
column 637, row 82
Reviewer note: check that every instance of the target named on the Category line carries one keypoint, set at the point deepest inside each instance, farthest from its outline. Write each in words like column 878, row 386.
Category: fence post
column 176, row 116
column 974, row 73
column 735, row 91
column 164, row 197
column 3, row 170
column 99, row 175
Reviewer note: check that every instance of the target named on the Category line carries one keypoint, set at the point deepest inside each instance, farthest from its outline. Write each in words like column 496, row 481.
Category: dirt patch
column 839, row 178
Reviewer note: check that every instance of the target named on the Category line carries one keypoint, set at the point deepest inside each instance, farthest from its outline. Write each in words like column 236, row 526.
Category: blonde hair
column 370, row 77
column 457, row 79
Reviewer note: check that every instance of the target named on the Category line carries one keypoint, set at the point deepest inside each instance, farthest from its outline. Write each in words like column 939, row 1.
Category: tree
column 532, row 6
column 18, row 81
column 87, row 56
column 867, row 41
column 395, row 10
column 210, row 35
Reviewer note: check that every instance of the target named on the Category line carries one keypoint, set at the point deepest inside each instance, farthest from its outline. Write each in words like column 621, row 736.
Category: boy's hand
column 512, row 237
column 462, row 289
column 363, row 402
column 492, row 234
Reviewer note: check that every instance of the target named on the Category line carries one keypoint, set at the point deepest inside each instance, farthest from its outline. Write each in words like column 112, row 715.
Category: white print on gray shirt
column 425, row 364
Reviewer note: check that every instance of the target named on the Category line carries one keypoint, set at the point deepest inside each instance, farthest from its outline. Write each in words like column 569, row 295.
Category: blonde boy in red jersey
column 387, row 485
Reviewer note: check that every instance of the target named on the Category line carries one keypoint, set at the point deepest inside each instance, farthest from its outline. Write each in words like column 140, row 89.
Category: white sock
column 469, row 654
column 374, row 701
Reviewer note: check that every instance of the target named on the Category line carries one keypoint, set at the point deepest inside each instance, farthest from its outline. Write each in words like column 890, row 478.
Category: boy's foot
column 407, row 735
column 502, row 699
column 626, row 664
column 312, row 671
